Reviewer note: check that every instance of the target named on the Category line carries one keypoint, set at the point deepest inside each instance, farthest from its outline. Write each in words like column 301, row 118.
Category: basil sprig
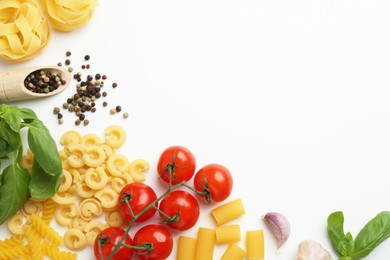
column 372, row 234
column 16, row 184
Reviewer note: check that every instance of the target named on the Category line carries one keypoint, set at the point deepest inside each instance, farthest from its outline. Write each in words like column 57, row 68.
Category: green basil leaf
column 27, row 114
column 9, row 140
column 44, row 148
column 13, row 190
column 372, row 234
column 12, row 118
column 346, row 245
column 42, row 185
column 336, row 229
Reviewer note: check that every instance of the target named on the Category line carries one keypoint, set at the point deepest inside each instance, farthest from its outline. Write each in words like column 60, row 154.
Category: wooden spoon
column 12, row 83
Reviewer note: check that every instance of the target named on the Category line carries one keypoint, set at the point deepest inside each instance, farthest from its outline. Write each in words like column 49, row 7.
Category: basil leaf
column 346, row 245
column 44, row 148
column 336, row 229
column 27, row 114
column 372, row 234
column 9, row 140
column 42, row 185
column 12, row 118
column 13, row 190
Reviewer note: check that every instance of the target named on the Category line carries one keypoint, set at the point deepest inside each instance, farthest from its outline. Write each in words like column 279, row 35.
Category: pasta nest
column 24, row 31
column 65, row 15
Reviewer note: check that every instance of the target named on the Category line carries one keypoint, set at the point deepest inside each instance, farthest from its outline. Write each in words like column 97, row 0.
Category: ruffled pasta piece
column 92, row 229
column 114, row 219
column 24, row 31
column 31, row 207
column 70, row 137
column 94, row 156
column 137, row 170
column 65, row 15
column 90, row 208
column 75, row 239
column 64, row 214
column 117, row 165
column 107, row 197
column 96, row 178
column 66, row 182
column 115, row 136
column 15, row 224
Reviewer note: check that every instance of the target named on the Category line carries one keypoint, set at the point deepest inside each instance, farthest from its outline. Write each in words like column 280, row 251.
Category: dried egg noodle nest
column 65, row 15
column 24, row 31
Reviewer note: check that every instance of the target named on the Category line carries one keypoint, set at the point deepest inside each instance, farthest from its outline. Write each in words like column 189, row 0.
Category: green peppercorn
column 56, row 110
column 86, row 122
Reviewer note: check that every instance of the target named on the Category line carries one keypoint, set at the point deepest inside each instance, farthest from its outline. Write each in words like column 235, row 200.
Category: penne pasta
column 205, row 244
column 255, row 244
column 227, row 234
column 186, row 248
column 233, row 252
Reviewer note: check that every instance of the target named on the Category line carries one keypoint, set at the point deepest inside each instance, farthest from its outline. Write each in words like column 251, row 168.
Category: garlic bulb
column 279, row 226
column 312, row 250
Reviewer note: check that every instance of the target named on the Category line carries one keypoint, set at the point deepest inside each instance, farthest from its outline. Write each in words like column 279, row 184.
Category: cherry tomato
column 215, row 181
column 138, row 196
column 177, row 161
column 180, row 210
column 106, row 241
column 157, row 241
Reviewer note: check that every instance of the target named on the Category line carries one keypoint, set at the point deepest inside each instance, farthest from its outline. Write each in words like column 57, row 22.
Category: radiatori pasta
column 93, row 176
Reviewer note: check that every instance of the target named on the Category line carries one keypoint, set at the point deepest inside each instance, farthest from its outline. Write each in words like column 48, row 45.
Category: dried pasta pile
column 24, row 31
column 202, row 247
column 93, row 176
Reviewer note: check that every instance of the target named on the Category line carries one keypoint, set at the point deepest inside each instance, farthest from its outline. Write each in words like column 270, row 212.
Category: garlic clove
column 312, row 250
column 279, row 225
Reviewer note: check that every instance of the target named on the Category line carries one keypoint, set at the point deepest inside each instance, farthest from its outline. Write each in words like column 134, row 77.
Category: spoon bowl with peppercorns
column 31, row 83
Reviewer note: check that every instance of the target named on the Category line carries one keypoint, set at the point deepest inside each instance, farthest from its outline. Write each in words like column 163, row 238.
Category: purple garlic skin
column 279, row 225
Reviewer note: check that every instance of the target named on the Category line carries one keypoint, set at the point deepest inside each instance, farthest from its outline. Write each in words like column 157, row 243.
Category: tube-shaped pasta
column 15, row 224
column 96, row 178
column 114, row 219
column 70, row 137
column 205, row 244
column 115, row 136
column 94, row 155
column 75, row 239
column 255, row 244
column 65, row 213
column 90, row 208
column 66, row 181
column 227, row 234
column 90, row 139
column 117, row 164
column 137, row 169
column 228, row 211
column 233, row 252
column 107, row 197
column 186, row 248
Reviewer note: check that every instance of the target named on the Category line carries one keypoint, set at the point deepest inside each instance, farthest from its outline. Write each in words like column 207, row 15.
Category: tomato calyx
column 126, row 200
column 206, row 191
column 170, row 168
column 144, row 247
column 167, row 219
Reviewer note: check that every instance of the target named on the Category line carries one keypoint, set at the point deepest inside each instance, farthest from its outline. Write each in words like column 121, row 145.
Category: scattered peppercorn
column 105, row 104
column 88, row 66
column 104, row 77
column 56, row 110
column 67, row 62
column 70, row 69
column 82, row 117
column 59, row 64
column 112, row 111
column 59, row 116
column 104, row 94
column 125, row 115
column 77, row 122
column 118, row 108
column 83, row 66
column 86, row 122
column 87, row 57
column 68, row 53
column 60, row 121
column 114, row 85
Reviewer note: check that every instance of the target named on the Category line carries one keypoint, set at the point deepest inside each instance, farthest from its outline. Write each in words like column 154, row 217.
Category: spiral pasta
column 24, row 31
column 45, row 230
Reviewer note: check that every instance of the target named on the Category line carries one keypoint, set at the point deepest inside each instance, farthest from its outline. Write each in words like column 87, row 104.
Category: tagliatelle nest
column 24, row 31
column 65, row 15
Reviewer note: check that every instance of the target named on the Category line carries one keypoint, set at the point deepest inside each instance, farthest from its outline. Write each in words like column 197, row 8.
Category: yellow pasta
column 115, row 136
column 70, row 137
column 108, row 150
column 90, row 208
column 90, row 139
column 14, row 240
column 24, row 30
column 205, row 244
column 55, row 253
column 65, row 15
column 107, row 197
column 227, row 234
column 76, row 177
column 48, row 210
column 78, row 223
column 31, row 207
column 75, row 159
column 137, row 169
column 92, row 229
column 44, row 229
column 94, row 156
column 233, row 252
column 186, row 247
column 117, row 165
column 15, row 224
column 13, row 252
column 84, row 191
column 228, row 211
column 63, row 198
column 118, row 184
column 66, row 182
column 114, row 219
column 65, row 213
column 96, row 179
column 35, row 241
column 75, row 239
column 255, row 244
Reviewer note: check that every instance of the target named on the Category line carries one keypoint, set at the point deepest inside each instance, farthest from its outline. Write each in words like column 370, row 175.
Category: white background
column 291, row 95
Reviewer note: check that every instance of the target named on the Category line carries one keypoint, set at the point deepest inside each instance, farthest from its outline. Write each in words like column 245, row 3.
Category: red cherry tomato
column 106, row 241
column 180, row 210
column 138, row 196
column 215, row 181
column 157, row 241
column 177, row 161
